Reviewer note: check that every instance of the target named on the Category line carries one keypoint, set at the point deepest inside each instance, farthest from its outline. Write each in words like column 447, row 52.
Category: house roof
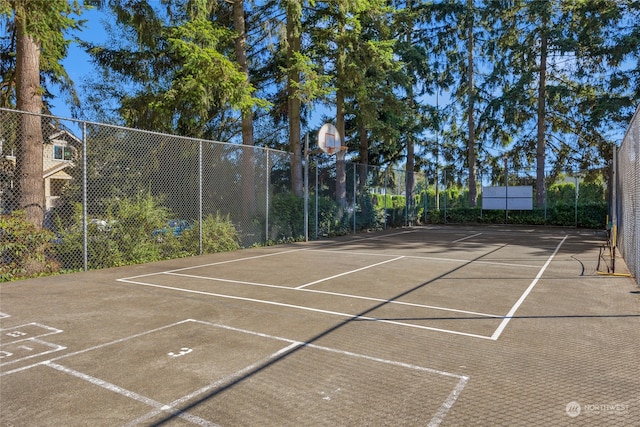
column 57, row 168
column 55, row 133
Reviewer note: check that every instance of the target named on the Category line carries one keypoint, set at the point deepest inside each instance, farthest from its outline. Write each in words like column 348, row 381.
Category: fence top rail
column 149, row 132
column 634, row 119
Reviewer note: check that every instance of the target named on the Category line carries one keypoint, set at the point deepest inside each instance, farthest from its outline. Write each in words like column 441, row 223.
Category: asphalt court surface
column 417, row 326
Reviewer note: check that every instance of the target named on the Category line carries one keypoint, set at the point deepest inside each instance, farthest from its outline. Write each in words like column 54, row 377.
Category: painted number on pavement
column 182, row 352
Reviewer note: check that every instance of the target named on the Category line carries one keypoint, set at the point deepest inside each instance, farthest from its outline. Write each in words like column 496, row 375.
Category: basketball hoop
column 329, row 139
column 333, row 150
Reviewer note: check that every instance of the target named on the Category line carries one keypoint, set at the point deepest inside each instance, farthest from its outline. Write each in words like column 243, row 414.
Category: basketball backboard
column 329, row 139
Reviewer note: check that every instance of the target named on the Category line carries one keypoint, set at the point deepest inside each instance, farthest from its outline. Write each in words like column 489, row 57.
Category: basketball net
column 335, row 149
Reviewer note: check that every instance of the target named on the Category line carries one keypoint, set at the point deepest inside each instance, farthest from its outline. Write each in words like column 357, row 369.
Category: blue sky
column 78, row 63
column 80, row 68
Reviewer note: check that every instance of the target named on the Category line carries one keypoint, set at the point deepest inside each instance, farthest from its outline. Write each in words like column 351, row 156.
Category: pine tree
column 554, row 55
column 38, row 30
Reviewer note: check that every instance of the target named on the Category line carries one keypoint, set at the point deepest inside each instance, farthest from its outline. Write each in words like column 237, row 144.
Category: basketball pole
column 306, row 187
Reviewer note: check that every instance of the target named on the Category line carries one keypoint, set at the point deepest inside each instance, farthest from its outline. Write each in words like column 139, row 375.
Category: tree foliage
column 32, row 51
column 50, row 23
column 549, row 83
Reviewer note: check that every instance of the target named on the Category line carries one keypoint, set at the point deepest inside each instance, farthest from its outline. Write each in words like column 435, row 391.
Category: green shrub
column 592, row 215
column 286, row 215
column 218, row 235
column 396, row 216
column 327, row 213
column 25, row 250
column 136, row 231
column 124, row 236
column 369, row 216
column 388, row 201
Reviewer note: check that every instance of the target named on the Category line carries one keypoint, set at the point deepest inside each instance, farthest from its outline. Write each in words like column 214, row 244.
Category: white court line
column 515, row 307
column 428, row 258
column 294, row 345
column 221, row 279
column 54, row 348
column 448, row 403
column 348, row 272
column 173, row 406
column 333, row 243
column 438, row 416
column 338, row 294
column 209, row 387
column 127, row 280
column 51, row 330
column 217, row 263
column 380, row 237
column 465, row 238
column 93, row 348
column 131, row 395
column 503, row 264
column 299, row 307
column 260, row 256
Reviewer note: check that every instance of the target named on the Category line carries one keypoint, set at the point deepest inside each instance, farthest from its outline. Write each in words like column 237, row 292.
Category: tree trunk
column 29, row 98
column 364, row 155
column 471, row 143
column 248, row 169
column 341, row 175
column 540, row 146
column 293, row 101
column 410, row 179
column 411, row 162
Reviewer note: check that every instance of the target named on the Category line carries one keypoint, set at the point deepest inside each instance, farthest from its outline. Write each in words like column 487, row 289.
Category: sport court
column 417, row 326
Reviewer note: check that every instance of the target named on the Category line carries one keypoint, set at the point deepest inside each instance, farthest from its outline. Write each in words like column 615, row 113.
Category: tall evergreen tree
column 352, row 40
column 289, row 74
column 458, row 26
column 414, row 47
column 37, row 31
column 554, row 56
column 248, row 173
column 293, row 10
column 471, row 99
column 180, row 65
column 372, row 76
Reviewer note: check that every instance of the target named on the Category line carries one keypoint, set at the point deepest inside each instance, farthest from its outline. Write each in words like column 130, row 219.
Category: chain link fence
column 626, row 212
column 377, row 198
column 573, row 199
column 111, row 196
column 373, row 198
